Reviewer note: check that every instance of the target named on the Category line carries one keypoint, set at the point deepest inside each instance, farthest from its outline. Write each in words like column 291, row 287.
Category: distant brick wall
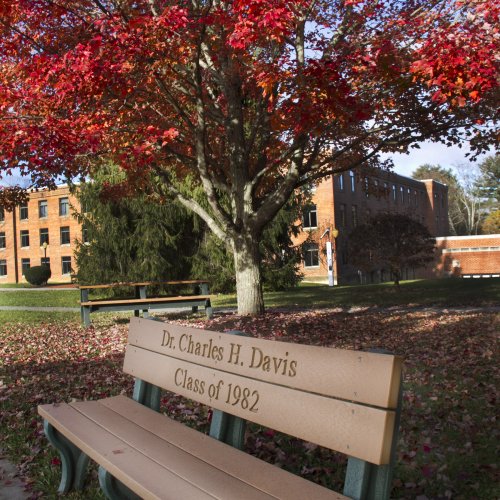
column 14, row 224
column 457, row 255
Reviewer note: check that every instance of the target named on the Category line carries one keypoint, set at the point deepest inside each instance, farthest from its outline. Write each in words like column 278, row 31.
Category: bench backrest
column 340, row 399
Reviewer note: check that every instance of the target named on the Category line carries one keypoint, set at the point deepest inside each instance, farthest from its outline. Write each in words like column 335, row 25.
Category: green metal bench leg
column 228, row 429
column 73, row 461
column 114, row 489
column 147, row 394
column 208, row 309
column 86, row 315
column 141, row 294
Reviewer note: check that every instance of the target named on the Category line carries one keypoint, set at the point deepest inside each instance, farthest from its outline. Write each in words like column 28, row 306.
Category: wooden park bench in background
column 141, row 302
column 348, row 401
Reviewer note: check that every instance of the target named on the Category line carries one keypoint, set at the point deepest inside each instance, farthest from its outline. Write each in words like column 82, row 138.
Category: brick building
column 467, row 255
column 345, row 200
column 339, row 202
column 42, row 231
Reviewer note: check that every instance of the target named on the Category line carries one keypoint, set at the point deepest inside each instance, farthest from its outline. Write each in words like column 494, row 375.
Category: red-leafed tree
column 232, row 105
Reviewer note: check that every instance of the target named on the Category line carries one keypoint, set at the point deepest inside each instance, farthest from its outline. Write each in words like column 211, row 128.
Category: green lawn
column 26, row 285
column 52, row 298
column 37, row 317
column 445, row 292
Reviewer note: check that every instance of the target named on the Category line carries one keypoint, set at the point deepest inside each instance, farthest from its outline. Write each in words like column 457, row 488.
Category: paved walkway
column 11, row 487
column 39, row 289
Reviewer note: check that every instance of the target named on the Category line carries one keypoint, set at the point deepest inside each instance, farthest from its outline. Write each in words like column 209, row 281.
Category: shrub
column 37, row 275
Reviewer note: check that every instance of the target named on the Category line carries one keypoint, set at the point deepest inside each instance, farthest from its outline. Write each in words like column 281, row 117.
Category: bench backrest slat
column 368, row 378
column 291, row 388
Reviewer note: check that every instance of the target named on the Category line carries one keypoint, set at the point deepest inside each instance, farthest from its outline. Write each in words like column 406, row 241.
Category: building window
column 25, row 264
column 344, row 258
column 402, row 193
column 43, row 211
column 23, row 212
column 342, row 215
column 45, row 261
column 25, row 238
column 394, row 196
column 353, row 181
column 354, row 213
column 367, row 186
column 341, row 182
column 2, row 214
column 2, row 240
column 368, row 214
column 3, row 267
column 65, row 239
column 63, row 206
column 85, row 235
column 66, row 265
column 311, row 255
column 310, row 217
column 44, row 236
column 415, row 194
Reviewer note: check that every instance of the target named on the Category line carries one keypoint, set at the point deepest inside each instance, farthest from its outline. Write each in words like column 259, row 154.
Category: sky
column 433, row 153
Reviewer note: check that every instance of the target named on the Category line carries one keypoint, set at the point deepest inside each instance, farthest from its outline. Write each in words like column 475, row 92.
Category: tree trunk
column 248, row 276
column 397, row 277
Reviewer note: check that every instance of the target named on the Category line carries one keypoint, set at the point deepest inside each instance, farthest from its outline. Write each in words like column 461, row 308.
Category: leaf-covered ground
column 449, row 435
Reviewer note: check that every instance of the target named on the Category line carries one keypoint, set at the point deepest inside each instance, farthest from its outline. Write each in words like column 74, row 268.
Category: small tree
column 390, row 241
column 491, row 225
column 38, row 275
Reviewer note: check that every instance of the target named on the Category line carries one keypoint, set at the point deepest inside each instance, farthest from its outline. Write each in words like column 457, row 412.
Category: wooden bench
column 348, row 401
column 141, row 302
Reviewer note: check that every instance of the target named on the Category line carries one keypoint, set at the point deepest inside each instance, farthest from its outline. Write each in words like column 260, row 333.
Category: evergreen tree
column 489, row 181
column 132, row 239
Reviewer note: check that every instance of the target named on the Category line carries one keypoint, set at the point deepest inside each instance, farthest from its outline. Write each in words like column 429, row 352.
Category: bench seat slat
column 183, row 298
column 356, row 430
column 153, row 444
column 205, row 464
column 121, row 460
